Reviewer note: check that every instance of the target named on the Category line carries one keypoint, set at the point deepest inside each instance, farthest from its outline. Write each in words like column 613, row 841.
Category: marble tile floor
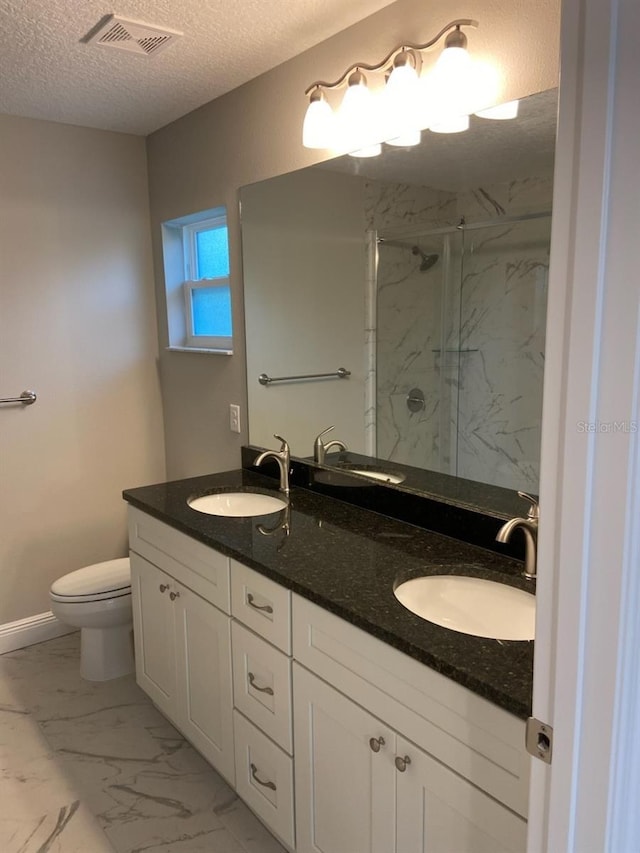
column 91, row 767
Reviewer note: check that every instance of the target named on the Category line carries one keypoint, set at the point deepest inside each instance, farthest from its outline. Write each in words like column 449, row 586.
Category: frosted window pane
column 212, row 248
column 211, row 311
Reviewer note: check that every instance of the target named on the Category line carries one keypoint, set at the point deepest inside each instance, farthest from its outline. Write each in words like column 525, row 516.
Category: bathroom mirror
column 423, row 273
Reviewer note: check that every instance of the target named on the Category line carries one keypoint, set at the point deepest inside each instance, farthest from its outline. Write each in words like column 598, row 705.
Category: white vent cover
column 133, row 36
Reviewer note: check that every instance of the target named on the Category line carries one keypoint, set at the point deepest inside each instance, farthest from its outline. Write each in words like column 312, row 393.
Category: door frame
column 588, row 626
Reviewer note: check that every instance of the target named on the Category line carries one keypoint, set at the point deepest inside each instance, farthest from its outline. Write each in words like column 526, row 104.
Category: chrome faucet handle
column 318, row 445
column 325, row 431
column 534, row 509
column 284, row 447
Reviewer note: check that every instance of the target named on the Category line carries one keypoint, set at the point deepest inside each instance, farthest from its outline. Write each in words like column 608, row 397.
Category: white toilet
column 97, row 599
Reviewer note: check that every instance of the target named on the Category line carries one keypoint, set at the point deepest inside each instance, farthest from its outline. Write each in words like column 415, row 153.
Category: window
column 196, row 259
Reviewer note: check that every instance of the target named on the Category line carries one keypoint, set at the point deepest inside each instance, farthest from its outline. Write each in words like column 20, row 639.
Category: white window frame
column 189, row 235
column 217, row 342
column 194, row 281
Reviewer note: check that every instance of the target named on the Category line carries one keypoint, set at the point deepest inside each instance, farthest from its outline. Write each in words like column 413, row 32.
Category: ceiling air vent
column 133, row 36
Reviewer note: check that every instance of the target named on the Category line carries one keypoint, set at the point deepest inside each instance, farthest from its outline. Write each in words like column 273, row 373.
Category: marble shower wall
column 468, row 332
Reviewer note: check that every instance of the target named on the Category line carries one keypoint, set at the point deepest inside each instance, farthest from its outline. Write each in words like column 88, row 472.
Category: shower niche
column 457, row 347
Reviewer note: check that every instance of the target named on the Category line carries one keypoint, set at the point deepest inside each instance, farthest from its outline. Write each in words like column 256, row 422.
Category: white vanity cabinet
column 182, row 637
column 337, row 741
column 361, row 781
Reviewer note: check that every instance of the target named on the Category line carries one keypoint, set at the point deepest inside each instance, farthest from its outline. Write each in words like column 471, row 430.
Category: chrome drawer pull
column 251, row 602
column 174, row 595
column 252, row 682
column 164, row 587
column 401, row 763
column 254, row 773
column 375, row 743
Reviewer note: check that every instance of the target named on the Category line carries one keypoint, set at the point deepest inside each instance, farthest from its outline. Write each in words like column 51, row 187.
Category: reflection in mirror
column 422, row 272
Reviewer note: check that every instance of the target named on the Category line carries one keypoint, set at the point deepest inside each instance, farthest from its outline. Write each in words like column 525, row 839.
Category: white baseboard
column 33, row 629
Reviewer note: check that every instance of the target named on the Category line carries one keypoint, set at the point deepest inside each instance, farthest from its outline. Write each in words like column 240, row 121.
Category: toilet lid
column 98, row 579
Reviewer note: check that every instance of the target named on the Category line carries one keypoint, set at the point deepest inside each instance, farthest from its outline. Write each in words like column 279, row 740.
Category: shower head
column 427, row 261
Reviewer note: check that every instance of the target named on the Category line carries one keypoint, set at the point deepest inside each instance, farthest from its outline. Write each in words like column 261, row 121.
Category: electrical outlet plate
column 234, row 417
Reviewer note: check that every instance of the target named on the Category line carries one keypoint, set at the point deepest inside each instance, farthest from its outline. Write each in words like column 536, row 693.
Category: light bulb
column 399, row 102
column 318, row 130
column 358, row 121
column 501, row 112
column 455, row 84
column 447, row 92
column 402, row 81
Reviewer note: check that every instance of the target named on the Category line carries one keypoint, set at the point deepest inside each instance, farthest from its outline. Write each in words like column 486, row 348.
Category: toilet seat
column 98, row 582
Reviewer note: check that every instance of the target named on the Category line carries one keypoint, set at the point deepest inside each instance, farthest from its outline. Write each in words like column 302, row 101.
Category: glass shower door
column 417, row 282
column 460, row 337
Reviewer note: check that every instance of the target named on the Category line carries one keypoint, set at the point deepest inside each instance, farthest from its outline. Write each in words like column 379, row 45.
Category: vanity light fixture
column 407, row 104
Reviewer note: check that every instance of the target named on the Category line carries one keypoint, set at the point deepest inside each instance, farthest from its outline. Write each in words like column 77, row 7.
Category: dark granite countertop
column 348, row 560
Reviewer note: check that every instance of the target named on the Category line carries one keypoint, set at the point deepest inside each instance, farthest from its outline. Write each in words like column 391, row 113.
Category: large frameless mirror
column 423, row 273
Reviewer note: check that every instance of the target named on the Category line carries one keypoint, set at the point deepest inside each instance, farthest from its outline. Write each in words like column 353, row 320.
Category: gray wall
column 254, row 133
column 78, row 325
column 304, row 286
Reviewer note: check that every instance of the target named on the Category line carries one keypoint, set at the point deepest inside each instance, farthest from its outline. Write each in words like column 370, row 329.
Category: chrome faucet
column 529, row 526
column 282, row 457
column 320, row 449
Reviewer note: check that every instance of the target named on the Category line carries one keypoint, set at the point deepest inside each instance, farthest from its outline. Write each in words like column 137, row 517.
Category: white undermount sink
column 471, row 605
column 237, row 504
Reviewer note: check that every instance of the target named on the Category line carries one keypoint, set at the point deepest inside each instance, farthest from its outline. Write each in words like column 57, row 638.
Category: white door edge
column 587, row 659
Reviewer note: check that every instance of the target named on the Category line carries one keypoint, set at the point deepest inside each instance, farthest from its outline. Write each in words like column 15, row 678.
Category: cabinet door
column 205, row 699
column 153, row 627
column 344, row 784
column 440, row 812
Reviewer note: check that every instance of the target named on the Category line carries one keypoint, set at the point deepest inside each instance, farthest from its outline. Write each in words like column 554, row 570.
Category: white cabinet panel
column 344, row 789
column 183, row 660
column 439, row 812
column 153, row 621
column 205, row 699
column 199, row 567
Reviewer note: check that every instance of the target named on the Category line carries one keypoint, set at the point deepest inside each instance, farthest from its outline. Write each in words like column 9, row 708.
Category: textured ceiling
column 48, row 72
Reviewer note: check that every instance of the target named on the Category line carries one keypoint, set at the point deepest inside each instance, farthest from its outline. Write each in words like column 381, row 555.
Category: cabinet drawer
column 477, row 739
column 264, row 779
column 262, row 605
column 262, row 684
column 197, row 566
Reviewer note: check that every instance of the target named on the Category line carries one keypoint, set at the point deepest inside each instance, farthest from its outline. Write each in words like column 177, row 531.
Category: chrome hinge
column 539, row 740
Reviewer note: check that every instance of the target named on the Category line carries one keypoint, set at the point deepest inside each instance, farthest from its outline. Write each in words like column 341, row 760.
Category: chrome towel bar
column 340, row 373
column 26, row 398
